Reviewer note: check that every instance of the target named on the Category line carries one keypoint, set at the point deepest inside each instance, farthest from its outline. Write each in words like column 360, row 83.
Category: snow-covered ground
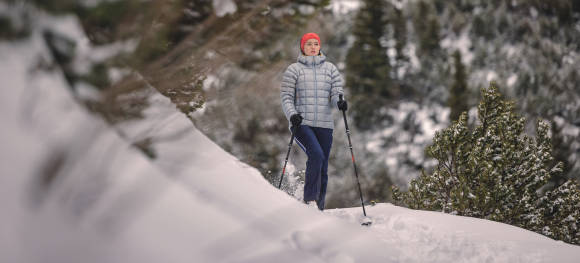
column 73, row 189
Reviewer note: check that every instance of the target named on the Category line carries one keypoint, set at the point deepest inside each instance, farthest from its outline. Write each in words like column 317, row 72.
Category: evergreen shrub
column 494, row 171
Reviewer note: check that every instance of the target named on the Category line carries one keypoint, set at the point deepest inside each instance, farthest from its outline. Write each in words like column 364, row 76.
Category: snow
column 343, row 7
column 491, row 76
column 411, row 53
column 512, row 80
column 73, row 189
column 424, row 235
column 211, row 81
column 399, row 4
column 402, row 144
column 306, row 9
column 461, row 43
column 570, row 130
column 224, row 7
column 534, row 12
column 87, row 92
column 117, row 74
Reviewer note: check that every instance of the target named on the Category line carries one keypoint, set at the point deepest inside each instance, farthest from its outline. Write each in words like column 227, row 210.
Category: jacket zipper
column 315, row 91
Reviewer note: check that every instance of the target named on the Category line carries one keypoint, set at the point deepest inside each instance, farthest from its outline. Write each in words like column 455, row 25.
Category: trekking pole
column 353, row 162
column 287, row 155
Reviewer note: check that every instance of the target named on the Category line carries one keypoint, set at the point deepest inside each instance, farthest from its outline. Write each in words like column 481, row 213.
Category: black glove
column 342, row 105
column 296, row 119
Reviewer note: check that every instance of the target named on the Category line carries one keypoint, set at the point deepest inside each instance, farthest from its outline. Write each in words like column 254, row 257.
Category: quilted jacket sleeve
column 336, row 84
column 288, row 91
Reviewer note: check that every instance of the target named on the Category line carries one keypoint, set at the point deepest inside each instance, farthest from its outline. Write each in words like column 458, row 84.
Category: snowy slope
column 274, row 221
column 241, row 217
column 73, row 190
column 424, row 236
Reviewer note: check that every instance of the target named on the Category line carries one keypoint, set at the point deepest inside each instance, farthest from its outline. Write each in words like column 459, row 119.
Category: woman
column 310, row 89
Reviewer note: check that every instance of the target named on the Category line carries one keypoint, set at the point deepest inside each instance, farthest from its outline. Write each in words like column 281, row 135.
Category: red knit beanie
column 305, row 38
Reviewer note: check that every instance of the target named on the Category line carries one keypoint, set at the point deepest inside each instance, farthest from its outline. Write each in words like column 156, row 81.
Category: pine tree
column 458, row 93
column 400, row 34
column 427, row 28
column 560, row 210
column 497, row 172
column 368, row 68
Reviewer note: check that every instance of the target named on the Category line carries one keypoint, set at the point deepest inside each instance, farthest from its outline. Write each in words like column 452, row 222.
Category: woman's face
column 311, row 47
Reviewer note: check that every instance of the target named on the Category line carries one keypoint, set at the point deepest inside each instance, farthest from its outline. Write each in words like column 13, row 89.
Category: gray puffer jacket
column 311, row 87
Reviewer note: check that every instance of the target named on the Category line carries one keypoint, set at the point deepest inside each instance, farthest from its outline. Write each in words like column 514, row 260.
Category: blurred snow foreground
column 73, row 189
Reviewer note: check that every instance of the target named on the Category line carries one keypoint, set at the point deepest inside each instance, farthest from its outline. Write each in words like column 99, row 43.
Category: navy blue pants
column 316, row 143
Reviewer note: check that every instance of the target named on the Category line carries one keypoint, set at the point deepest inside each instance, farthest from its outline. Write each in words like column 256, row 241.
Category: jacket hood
column 311, row 60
